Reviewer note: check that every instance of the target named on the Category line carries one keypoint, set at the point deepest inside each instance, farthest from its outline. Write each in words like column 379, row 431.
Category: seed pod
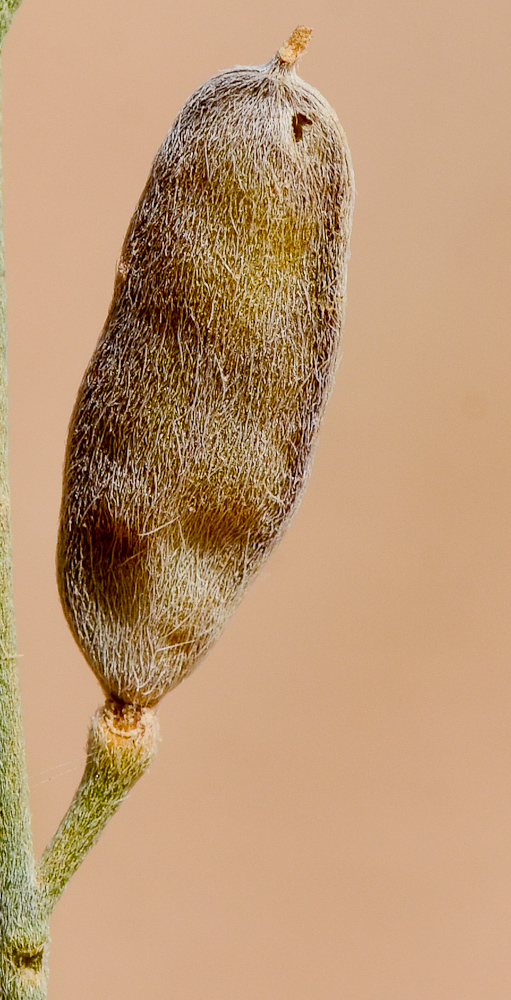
column 192, row 435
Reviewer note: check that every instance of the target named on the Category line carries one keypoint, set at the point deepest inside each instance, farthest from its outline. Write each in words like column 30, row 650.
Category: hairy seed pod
column 192, row 435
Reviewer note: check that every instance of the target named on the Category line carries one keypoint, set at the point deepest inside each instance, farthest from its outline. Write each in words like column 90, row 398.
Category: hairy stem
column 23, row 935
column 8, row 9
column 122, row 743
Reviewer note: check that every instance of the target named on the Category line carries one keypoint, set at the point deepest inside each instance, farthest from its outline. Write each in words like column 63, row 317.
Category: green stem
column 22, row 936
column 8, row 9
column 122, row 743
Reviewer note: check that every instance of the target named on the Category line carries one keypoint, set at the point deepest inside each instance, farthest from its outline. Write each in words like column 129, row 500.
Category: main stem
column 122, row 743
column 22, row 934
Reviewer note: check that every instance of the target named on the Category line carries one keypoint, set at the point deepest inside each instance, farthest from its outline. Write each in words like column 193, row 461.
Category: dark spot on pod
column 299, row 121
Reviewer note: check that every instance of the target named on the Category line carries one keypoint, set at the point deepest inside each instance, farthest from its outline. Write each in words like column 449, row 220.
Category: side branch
column 8, row 9
column 122, row 743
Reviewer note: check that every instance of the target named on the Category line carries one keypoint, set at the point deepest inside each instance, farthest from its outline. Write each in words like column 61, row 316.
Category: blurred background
column 330, row 812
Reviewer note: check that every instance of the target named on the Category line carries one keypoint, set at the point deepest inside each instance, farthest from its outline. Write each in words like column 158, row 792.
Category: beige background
column 329, row 817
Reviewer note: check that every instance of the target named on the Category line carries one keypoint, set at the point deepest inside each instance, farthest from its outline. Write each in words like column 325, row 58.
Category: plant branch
column 122, row 743
column 8, row 9
column 23, row 936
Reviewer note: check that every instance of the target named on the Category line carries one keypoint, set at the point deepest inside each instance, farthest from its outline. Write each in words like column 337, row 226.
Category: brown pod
column 192, row 435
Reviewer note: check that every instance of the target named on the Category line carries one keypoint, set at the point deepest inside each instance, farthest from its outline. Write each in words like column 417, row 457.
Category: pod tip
column 295, row 46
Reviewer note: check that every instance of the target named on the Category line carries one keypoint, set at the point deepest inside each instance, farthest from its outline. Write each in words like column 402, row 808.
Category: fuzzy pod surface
column 193, row 431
